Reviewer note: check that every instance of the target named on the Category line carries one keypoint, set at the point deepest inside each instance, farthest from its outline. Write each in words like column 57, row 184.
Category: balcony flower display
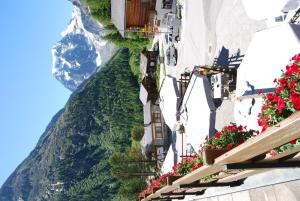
column 286, row 98
column 187, row 165
column 155, row 185
column 229, row 137
column 285, row 101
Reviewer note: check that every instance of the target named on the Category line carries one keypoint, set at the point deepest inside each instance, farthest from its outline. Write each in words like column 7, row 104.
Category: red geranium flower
column 229, row 146
column 293, row 141
column 270, row 97
column 280, row 105
column 295, row 101
column 283, row 82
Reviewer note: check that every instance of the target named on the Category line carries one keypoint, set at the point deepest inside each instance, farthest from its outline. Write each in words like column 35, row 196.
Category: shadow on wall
column 226, row 61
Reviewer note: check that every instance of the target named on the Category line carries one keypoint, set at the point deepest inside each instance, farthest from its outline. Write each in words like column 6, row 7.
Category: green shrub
column 137, row 133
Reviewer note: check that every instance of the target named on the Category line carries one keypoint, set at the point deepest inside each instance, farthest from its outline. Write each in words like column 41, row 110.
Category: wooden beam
column 275, row 136
column 248, row 173
column 184, row 193
column 196, row 175
column 168, row 198
column 159, row 192
column 272, row 165
column 213, row 184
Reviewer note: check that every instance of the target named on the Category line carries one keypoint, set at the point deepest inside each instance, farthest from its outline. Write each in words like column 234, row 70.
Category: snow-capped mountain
column 81, row 51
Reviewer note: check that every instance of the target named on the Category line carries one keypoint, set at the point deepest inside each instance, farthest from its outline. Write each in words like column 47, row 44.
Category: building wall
column 161, row 12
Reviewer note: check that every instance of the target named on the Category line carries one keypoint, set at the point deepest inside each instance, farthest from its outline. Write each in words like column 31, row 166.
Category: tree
column 137, row 133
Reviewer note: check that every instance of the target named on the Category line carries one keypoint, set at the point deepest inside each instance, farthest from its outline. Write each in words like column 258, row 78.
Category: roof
column 143, row 64
column 146, row 142
column 118, row 15
column 143, row 95
column 198, row 111
column 147, row 113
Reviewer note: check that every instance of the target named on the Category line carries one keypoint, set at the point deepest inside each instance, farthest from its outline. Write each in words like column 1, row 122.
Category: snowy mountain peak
column 81, row 51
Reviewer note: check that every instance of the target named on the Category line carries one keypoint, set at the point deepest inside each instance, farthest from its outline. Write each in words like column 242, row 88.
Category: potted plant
column 229, row 137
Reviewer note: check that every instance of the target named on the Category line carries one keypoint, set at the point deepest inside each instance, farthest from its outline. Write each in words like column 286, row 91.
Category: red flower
column 218, row 135
column 278, row 90
column 240, row 128
column 263, row 124
column 230, row 146
column 280, row 105
column 270, row 97
column 260, row 91
column 293, row 141
column 242, row 140
column 292, row 85
column 283, row 82
column 275, row 80
column 295, row 101
column 294, row 68
column 296, row 57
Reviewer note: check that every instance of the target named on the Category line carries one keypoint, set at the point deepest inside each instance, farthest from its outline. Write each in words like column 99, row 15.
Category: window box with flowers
column 229, row 137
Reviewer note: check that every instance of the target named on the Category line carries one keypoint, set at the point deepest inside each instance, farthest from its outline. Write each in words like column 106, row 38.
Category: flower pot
column 154, row 189
column 210, row 155
column 171, row 179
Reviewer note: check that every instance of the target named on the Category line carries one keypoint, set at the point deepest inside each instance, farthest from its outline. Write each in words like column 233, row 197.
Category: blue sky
column 30, row 95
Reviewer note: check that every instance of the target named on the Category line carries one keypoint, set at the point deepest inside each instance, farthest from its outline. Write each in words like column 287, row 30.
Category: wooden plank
column 158, row 193
column 196, row 175
column 249, row 173
column 283, row 154
column 211, row 184
column 196, row 190
column 275, row 136
column 268, row 165
column 183, row 193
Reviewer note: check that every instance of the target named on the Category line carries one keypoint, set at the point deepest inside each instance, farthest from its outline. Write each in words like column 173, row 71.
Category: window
column 158, row 131
column 167, row 4
column 156, row 117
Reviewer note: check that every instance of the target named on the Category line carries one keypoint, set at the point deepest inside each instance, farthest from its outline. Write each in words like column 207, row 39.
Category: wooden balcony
column 248, row 159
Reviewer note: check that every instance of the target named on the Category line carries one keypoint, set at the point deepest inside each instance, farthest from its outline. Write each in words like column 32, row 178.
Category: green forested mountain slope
column 70, row 160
